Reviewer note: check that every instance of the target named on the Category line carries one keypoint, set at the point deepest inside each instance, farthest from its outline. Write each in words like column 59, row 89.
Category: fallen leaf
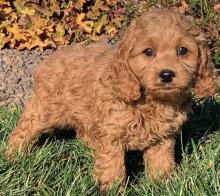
column 55, row 6
column 100, row 4
column 216, row 7
column 7, row 10
column 16, row 33
column 23, row 9
column 118, row 21
column 184, row 7
column 38, row 43
column 80, row 3
column 111, row 2
column 111, row 30
column 100, row 23
column 86, row 25
column 2, row 40
column 59, row 35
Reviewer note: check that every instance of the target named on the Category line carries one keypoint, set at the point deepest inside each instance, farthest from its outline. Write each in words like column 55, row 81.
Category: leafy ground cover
column 49, row 23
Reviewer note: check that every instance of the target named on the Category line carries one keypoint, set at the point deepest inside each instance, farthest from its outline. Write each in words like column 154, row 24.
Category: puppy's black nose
column 167, row 75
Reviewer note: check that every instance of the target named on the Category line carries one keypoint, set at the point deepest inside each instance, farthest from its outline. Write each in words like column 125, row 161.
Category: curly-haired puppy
column 134, row 96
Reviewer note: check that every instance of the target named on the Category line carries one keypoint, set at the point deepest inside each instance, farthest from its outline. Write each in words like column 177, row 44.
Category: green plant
column 49, row 23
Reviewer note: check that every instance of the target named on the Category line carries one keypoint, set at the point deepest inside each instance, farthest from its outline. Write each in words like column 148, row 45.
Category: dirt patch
column 16, row 69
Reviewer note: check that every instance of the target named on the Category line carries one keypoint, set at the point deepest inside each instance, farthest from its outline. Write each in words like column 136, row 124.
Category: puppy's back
column 66, row 68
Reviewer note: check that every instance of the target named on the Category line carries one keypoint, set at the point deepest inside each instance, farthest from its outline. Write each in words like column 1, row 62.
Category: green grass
column 63, row 166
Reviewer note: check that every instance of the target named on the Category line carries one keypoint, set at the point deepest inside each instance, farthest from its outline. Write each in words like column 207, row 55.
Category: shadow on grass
column 56, row 134
column 204, row 120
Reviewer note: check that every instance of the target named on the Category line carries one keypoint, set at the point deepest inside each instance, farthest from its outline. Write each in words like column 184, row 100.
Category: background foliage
column 27, row 24
column 30, row 24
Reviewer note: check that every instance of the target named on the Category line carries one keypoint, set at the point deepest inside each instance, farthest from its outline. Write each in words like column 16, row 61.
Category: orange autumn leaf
column 184, row 7
column 80, row 3
column 216, row 7
column 86, row 25
column 41, row 24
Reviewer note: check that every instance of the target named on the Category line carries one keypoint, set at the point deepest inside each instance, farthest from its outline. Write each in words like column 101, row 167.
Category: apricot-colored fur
column 114, row 98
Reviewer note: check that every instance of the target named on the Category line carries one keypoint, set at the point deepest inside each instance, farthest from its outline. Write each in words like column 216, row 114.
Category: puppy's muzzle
column 166, row 75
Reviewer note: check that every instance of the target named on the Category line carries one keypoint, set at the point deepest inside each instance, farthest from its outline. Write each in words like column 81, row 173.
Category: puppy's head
column 165, row 55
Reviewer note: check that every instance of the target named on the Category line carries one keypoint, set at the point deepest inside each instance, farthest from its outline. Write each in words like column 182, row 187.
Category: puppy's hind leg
column 34, row 121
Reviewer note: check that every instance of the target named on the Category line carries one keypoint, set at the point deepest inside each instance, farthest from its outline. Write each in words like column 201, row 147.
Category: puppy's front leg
column 109, row 164
column 159, row 159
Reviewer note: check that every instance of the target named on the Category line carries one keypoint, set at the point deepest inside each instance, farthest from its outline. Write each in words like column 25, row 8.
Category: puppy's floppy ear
column 206, row 79
column 118, row 76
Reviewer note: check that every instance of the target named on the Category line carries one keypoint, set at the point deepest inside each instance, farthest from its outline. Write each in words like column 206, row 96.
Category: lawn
column 62, row 165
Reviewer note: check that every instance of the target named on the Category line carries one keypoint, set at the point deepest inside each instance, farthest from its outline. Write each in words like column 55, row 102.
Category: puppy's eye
column 149, row 52
column 182, row 51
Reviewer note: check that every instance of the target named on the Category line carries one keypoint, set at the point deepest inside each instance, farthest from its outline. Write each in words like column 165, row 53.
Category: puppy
column 134, row 96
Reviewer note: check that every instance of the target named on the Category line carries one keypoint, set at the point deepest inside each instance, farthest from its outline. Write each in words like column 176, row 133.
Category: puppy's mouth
column 167, row 92
column 170, row 90
column 166, row 87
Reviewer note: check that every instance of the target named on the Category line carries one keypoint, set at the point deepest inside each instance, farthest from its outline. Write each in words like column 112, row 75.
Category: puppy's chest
column 164, row 121
column 154, row 124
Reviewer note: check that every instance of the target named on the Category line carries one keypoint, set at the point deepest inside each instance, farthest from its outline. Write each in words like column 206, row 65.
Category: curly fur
column 115, row 99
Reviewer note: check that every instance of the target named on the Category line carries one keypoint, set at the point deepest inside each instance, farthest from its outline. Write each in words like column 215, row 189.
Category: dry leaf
column 38, row 43
column 2, row 40
column 100, row 5
column 86, row 25
column 111, row 30
column 100, row 23
column 34, row 24
column 55, row 7
column 118, row 21
column 7, row 10
column 184, row 7
column 20, row 6
column 111, row 2
column 80, row 3
column 16, row 33
column 59, row 35
column 216, row 7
